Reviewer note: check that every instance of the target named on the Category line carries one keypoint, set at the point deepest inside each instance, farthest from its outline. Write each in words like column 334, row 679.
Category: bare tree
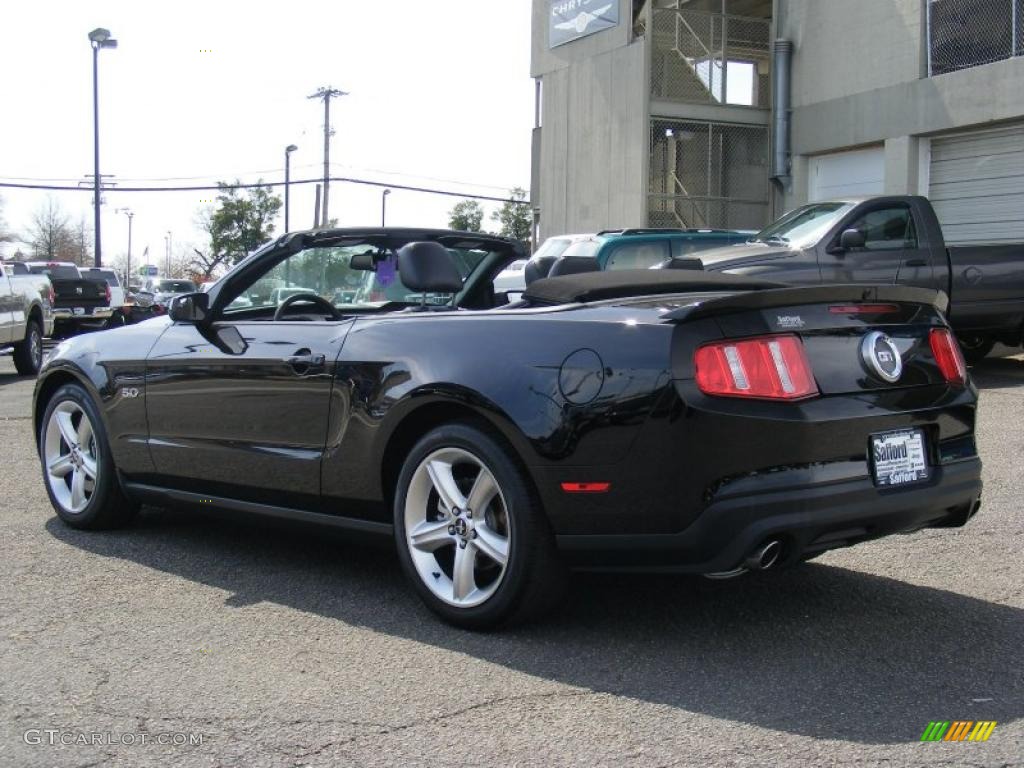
column 50, row 234
column 6, row 236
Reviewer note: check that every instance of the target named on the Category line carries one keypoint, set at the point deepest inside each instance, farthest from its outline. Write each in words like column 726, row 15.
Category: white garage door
column 841, row 174
column 976, row 184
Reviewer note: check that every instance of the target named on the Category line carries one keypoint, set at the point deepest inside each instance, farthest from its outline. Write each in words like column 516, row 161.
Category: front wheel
column 28, row 355
column 470, row 533
column 78, row 468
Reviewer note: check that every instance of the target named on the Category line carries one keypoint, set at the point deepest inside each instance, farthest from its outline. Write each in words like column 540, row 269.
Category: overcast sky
column 440, row 96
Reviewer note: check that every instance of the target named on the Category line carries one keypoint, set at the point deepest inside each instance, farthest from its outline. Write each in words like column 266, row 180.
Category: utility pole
column 326, row 94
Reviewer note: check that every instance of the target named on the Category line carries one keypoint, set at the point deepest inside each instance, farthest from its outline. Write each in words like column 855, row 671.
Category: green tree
column 466, row 216
column 515, row 217
column 241, row 222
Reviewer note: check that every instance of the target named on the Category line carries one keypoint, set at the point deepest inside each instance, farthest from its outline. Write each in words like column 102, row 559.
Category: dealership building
column 726, row 113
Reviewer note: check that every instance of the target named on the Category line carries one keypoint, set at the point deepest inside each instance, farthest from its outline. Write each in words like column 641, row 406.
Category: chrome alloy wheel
column 457, row 528
column 71, row 456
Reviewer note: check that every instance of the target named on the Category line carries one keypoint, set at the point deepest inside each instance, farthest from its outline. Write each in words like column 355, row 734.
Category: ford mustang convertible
column 634, row 420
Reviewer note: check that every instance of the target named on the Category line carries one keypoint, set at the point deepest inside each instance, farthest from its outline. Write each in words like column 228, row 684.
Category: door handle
column 304, row 362
column 915, row 263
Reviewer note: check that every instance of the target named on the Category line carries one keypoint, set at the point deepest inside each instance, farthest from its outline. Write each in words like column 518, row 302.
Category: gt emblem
column 130, row 392
column 881, row 356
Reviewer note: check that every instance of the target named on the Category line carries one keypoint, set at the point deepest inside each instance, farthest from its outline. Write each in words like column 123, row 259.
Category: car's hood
column 745, row 254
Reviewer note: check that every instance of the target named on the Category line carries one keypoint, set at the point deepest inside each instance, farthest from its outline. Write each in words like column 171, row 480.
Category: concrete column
column 902, row 166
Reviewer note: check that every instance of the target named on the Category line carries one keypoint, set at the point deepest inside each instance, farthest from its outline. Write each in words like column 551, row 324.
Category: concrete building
column 674, row 112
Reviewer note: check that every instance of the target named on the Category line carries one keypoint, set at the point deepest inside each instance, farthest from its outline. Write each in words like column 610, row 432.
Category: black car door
column 246, row 416
column 892, row 252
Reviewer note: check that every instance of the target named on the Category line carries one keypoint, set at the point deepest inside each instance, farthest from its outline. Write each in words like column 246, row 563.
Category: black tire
column 975, row 346
column 107, row 506
column 534, row 578
column 28, row 354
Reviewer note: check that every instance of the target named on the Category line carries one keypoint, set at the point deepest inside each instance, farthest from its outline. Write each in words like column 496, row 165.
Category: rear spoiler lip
column 814, row 294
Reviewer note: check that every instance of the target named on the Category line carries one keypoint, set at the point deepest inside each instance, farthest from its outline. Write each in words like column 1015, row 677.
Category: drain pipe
column 782, row 54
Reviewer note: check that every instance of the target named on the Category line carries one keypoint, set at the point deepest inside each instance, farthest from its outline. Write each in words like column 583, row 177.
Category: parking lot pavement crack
column 386, row 730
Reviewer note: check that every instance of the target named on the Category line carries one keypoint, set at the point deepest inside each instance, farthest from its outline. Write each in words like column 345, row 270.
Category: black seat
column 427, row 267
column 573, row 265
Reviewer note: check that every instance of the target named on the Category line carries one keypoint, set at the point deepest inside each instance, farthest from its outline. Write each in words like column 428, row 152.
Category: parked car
column 157, row 292
column 640, row 419
column 25, row 315
column 78, row 303
column 116, row 294
column 630, row 249
column 895, row 239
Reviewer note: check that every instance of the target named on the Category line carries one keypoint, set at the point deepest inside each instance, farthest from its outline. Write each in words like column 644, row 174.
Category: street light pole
column 384, row 207
column 287, row 182
column 128, row 266
column 170, row 243
column 99, row 38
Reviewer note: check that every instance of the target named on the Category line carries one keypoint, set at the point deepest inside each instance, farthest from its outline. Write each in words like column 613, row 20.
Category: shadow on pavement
column 818, row 651
column 999, row 372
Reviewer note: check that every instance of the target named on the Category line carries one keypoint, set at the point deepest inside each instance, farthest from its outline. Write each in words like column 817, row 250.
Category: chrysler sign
column 572, row 19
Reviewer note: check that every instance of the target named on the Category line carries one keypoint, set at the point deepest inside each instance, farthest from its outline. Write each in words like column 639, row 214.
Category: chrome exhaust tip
column 765, row 556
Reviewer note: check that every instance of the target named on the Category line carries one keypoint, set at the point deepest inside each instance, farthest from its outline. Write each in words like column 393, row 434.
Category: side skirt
column 169, row 497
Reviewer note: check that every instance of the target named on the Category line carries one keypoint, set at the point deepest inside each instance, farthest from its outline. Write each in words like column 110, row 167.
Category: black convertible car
column 639, row 420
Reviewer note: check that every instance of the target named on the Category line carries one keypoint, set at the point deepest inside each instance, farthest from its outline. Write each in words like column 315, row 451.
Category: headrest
column 537, row 268
column 573, row 265
column 428, row 267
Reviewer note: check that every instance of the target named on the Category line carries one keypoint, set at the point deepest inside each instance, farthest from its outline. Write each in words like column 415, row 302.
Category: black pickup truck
column 77, row 302
column 891, row 239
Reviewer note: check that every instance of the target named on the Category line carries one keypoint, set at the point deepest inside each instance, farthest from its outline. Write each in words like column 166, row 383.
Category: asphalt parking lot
column 283, row 647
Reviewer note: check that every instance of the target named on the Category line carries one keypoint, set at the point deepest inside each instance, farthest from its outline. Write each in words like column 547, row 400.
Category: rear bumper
column 819, row 510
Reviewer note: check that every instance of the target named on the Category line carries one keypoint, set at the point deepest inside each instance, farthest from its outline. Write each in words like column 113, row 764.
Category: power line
column 270, row 184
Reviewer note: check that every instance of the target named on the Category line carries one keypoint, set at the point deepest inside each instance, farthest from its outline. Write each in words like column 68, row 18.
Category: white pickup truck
column 26, row 315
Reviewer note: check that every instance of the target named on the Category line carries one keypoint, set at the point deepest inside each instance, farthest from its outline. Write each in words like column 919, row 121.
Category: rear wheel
column 975, row 346
column 470, row 533
column 28, row 355
column 78, row 467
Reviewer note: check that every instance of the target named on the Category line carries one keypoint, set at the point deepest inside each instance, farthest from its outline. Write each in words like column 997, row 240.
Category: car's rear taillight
column 948, row 356
column 107, row 286
column 53, row 296
column 767, row 368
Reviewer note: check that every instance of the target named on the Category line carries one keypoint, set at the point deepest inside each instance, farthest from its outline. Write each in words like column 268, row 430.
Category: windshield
column 328, row 272
column 57, row 272
column 803, row 226
column 101, row 276
column 553, row 246
column 175, row 286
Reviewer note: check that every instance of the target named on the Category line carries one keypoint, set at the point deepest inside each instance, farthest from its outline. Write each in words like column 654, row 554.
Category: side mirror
column 852, row 238
column 190, row 308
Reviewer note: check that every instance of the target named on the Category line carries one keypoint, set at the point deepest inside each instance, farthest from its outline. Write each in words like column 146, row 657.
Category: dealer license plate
column 78, row 310
column 899, row 458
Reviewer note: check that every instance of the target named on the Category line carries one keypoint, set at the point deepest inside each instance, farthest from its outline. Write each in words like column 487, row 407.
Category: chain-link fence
column 967, row 33
column 708, row 175
column 700, row 53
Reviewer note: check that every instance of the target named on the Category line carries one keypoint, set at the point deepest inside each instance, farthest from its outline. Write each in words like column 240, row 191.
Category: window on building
column 968, row 33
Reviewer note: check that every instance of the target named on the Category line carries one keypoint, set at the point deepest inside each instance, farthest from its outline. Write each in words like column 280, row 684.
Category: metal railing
column 702, row 56
column 707, row 174
column 969, row 33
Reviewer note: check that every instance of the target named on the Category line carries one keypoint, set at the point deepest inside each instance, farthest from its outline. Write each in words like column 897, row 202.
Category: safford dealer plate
column 899, row 458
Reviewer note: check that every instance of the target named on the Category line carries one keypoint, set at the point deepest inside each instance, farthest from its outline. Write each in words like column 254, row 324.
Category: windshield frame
column 800, row 233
